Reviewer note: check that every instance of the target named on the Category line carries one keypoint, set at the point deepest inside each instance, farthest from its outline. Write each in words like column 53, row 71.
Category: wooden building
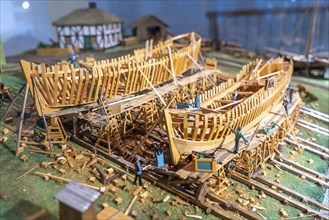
column 90, row 28
column 77, row 202
column 149, row 27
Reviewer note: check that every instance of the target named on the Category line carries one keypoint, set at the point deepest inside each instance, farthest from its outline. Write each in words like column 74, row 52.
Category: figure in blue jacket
column 73, row 58
column 235, row 95
column 291, row 94
column 238, row 135
column 197, row 100
column 138, row 171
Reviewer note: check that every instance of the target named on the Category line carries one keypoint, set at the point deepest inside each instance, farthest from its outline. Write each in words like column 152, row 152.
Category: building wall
column 112, row 34
column 142, row 33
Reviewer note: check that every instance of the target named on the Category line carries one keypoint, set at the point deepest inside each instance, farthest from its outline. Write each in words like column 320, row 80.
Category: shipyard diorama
column 163, row 133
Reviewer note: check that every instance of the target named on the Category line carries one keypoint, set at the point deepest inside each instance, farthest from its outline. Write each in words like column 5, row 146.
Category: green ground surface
column 32, row 193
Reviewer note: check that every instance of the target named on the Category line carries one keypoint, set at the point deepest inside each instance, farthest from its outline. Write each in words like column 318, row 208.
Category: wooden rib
column 80, row 84
column 196, row 127
column 128, row 81
column 85, row 86
column 118, row 81
column 105, row 77
column 73, row 93
column 100, row 78
column 55, row 85
column 64, row 91
column 45, row 84
column 91, row 90
column 205, row 127
column 108, row 84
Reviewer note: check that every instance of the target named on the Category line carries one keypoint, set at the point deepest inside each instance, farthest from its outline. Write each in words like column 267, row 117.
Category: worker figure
column 138, row 171
column 291, row 93
column 197, row 100
column 101, row 101
column 238, row 135
column 73, row 57
column 285, row 105
column 159, row 155
column 235, row 95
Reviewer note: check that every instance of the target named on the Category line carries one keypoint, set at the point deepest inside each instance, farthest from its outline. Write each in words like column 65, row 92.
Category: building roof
column 88, row 16
column 77, row 196
column 145, row 19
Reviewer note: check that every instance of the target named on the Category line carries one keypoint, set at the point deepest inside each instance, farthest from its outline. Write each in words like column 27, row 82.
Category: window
column 68, row 40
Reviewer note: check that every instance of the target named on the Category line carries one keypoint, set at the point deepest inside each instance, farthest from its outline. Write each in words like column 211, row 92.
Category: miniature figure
column 197, row 100
column 138, row 171
column 235, row 95
column 101, row 101
column 291, row 93
column 73, row 57
column 159, row 155
column 285, row 105
column 238, row 135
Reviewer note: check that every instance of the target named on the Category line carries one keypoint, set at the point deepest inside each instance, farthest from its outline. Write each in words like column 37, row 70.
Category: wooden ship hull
column 62, row 87
column 260, row 86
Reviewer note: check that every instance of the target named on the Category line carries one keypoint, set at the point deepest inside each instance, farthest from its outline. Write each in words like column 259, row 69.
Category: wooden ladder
column 150, row 113
column 109, row 134
column 56, row 131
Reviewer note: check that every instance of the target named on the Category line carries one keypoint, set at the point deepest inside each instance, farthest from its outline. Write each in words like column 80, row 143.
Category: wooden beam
column 290, row 192
column 277, row 195
column 298, row 172
column 303, row 168
column 271, row 74
column 228, row 105
column 131, row 204
column 233, row 207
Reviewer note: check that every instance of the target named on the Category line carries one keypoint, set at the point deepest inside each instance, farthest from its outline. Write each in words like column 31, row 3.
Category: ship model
column 259, row 86
column 145, row 91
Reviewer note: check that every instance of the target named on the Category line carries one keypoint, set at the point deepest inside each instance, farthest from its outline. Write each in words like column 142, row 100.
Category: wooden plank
column 303, row 168
column 64, row 91
column 277, row 195
column 99, row 81
column 56, row 69
column 85, row 87
column 309, row 149
column 91, row 89
column 290, row 192
column 312, row 144
column 131, row 204
column 298, row 172
column 118, row 75
column 80, row 84
column 315, row 115
column 322, row 129
column 45, row 85
column 73, row 92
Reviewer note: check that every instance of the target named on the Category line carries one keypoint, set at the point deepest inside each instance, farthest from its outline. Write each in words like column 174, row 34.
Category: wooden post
column 171, row 61
column 43, row 115
column 173, row 75
column 311, row 33
column 21, row 120
column 193, row 60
